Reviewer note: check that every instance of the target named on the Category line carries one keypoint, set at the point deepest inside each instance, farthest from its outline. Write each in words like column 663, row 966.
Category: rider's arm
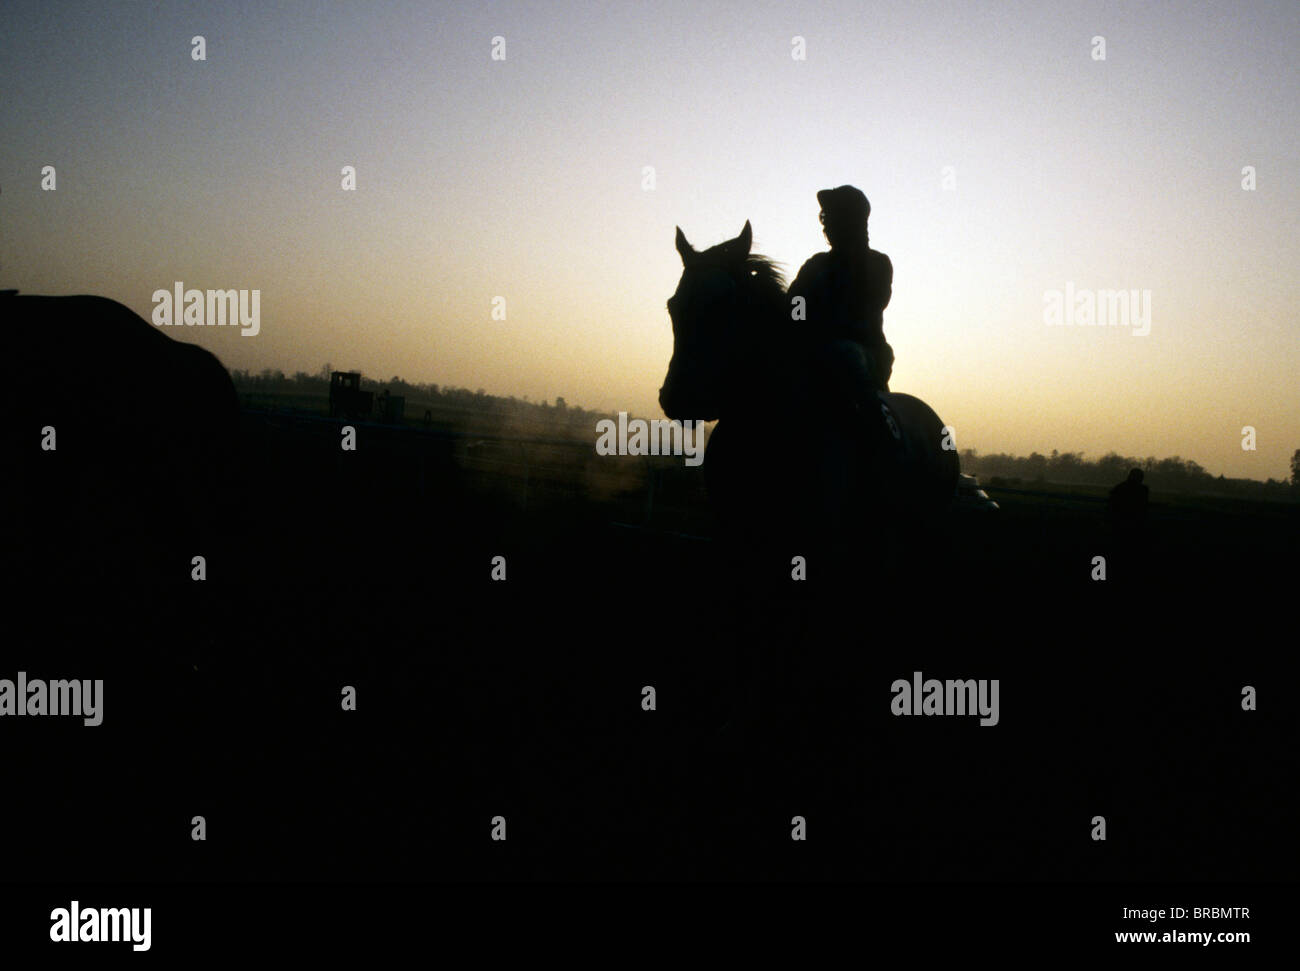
column 886, row 281
column 807, row 273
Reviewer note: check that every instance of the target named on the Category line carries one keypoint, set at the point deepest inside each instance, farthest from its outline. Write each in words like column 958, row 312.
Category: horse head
column 723, row 298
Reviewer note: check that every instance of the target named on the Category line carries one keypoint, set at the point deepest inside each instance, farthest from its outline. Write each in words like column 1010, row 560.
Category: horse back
column 924, row 458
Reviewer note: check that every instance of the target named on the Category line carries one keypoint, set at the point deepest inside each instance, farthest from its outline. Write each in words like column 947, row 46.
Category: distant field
column 308, row 401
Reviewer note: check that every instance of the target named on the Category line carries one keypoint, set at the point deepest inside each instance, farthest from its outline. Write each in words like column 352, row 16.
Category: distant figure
column 846, row 293
column 1128, row 505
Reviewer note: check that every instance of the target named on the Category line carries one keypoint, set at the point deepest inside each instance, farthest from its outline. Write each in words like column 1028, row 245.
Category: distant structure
column 347, row 400
column 391, row 407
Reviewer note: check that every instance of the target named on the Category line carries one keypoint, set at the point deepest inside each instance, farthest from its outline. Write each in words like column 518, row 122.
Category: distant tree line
column 1162, row 475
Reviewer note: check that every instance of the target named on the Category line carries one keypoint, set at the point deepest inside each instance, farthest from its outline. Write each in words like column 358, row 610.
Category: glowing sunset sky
column 523, row 178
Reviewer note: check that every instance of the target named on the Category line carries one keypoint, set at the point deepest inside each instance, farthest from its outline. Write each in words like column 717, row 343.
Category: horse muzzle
column 683, row 407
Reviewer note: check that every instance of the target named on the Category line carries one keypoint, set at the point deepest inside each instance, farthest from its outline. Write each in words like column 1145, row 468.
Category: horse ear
column 683, row 247
column 746, row 238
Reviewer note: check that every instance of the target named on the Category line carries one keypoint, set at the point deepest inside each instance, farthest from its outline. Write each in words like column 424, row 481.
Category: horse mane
column 765, row 272
column 764, row 287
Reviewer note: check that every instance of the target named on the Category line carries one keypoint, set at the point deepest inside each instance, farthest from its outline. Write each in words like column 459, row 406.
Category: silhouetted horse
column 788, row 472
column 98, row 535
column 144, row 430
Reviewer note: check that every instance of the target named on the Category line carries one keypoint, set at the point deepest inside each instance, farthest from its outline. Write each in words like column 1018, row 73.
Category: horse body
column 144, row 430
column 922, row 474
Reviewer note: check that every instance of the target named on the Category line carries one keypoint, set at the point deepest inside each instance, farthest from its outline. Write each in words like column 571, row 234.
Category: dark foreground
column 523, row 699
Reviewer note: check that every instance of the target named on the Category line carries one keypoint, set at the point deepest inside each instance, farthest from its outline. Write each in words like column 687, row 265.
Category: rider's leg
column 853, row 378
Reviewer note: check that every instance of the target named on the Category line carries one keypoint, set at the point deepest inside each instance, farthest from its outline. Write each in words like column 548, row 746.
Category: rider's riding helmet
column 846, row 201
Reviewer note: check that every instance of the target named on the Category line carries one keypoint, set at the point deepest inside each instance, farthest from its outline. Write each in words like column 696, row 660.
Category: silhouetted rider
column 846, row 292
column 1128, row 504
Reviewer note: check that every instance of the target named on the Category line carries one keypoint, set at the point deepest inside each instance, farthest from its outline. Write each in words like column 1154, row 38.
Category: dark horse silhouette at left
column 99, row 536
column 786, row 470
column 143, row 428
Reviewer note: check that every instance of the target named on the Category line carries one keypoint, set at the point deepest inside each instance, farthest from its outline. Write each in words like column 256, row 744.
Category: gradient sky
column 523, row 179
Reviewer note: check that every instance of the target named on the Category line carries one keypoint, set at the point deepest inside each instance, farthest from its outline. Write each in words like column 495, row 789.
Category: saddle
column 854, row 380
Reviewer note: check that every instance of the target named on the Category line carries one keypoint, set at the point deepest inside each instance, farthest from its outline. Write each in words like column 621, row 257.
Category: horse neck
column 765, row 374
